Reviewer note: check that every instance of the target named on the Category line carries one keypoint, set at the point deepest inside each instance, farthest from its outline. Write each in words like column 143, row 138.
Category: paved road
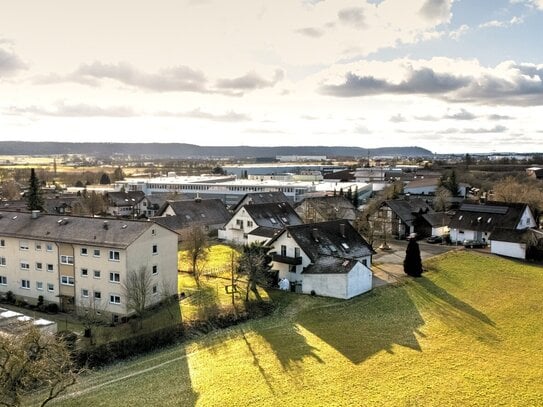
column 388, row 264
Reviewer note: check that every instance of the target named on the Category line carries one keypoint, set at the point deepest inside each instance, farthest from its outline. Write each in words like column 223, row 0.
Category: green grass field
column 470, row 332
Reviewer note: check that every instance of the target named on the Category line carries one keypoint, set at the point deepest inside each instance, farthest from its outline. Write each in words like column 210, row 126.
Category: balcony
column 293, row 261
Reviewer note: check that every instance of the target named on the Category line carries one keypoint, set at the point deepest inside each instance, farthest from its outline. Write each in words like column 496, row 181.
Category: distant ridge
column 183, row 150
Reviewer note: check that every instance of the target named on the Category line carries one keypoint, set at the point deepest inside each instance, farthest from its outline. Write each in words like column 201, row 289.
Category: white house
column 514, row 242
column 327, row 258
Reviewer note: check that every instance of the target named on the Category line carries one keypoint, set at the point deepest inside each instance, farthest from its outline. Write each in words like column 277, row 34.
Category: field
column 469, row 332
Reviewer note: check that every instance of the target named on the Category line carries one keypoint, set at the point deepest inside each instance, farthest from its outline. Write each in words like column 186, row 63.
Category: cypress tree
column 412, row 264
column 34, row 199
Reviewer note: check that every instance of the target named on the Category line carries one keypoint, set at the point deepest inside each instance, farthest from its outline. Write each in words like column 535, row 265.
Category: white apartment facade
column 82, row 262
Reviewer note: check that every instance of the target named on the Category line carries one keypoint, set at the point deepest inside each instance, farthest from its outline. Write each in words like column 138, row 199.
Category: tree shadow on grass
column 453, row 311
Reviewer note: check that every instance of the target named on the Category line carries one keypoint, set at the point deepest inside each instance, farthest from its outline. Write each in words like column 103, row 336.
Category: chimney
column 35, row 214
column 315, row 234
column 106, row 225
column 342, row 229
column 197, row 199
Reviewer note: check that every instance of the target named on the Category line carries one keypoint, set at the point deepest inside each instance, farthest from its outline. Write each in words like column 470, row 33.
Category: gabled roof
column 273, row 215
column 196, row 211
column 72, row 229
column 409, row 209
column 437, row 219
column 330, row 265
column 334, row 238
column 516, row 235
column 254, row 198
column 331, row 207
column 51, row 205
column 265, row 232
column 423, row 182
column 125, row 198
column 488, row 216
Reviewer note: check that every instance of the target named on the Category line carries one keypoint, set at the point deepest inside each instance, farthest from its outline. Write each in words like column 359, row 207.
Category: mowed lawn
column 470, row 332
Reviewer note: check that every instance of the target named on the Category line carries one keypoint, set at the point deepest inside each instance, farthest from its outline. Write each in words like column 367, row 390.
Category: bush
column 10, row 298
column 52, row 308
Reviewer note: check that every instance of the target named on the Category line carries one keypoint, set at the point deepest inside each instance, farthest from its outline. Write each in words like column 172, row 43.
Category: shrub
column 10, row 298
column 52, row 308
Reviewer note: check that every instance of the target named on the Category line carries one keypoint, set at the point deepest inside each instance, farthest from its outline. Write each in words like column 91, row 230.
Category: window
column 115, row 299
column 283, row 250
column 114, row 277
column 39, row 265
column 250, row 223
column 155, row 249
column 3, row 280
column 96, row 253
column 2, row 261
column 2, row 243
column 39, row 285
column 155, row 269
column 153, row 231
column 67, row 280
column 84, row 251
column 114, row 255
column 84, row 292
column 155, row 289
column 38, row 246
column 23, row 245
column 296, row 252
column 25, row 265
column 66, row 259
column 50, row 267
column 49, row 247
column 365, row 262
column 84, row 272
column 25, row 284
column 97, row 295
column 50, row 287
column 96, row 273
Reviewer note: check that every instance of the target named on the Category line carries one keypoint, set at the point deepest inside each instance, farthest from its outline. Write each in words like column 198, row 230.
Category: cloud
column 76, row 110
column 397, row 118
column 352, row 16
column 9, row 61
column 228, row 117
column 311, row 32
column 250, row 81
column 362, row 130
column 502, row 24
column 436, row 9
column 428, row 118
column 509, row 83
column 459, row 32
column 499, row 117
column 482, row 130
column 179, row 78
column 463, row 114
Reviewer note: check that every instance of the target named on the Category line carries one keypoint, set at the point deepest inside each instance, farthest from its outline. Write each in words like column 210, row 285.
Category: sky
column 452, row 76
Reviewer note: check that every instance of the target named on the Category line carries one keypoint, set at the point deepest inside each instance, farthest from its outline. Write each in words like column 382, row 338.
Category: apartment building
column 82, row 262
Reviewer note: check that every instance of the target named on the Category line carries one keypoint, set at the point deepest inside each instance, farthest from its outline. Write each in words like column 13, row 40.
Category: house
column 325, row 208
column 152, row 203
column 81, row 262
column 125, row 204
column 210, row 214
column 400, row 218
column 516, row 243
column 476, row 221
column 61, row 205
column 438, row 222
column 327, row 258
column 251, row 217
column 259, row 198
column 429, row 186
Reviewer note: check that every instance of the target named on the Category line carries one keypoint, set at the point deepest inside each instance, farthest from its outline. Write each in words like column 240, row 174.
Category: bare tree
column 94, row 203
column 511, row 190
column 10, row 190
column 253, row 263
column 90, row 313
column 442, row 199
column 32, row 360
column 196, row 243
column 137, row 290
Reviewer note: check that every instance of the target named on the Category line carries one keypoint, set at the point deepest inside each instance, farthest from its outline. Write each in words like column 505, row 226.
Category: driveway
column 388, row 264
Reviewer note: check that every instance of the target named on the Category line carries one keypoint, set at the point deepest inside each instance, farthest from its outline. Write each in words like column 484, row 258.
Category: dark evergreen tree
column 118, row 174
column 412, row 264
column 340, row 191
column 33, row 198
column 355, row 198
column 349, row 194
column 104, row 179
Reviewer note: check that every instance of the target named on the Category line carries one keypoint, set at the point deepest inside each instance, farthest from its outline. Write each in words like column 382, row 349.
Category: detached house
column 326, row 208
column 78, row 261
column 328, row 258
column 126, row 204
column 259, row 222
column 259, row 198
column 402, row 217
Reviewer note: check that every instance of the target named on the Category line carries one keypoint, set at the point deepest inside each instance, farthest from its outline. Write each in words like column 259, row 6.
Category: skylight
column 345, row 246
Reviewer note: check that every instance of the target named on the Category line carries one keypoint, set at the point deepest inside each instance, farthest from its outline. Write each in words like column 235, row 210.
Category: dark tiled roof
column 331, row 207
column 72, row 229
column 125, row 198
column 437, row 219
column 330, row 265
column 326, row 239
column 265, row 232
column 52, row 205
column 254, row 198
column 273, row 215
column 197, row 212
column 488, row 216
column 409, row 210
column 515, row 235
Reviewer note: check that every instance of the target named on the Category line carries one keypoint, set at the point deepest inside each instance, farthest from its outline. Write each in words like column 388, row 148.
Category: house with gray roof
column 400, row 218
column 125, row 204
column 325, row 208
column 325, row 258
column 260, row 198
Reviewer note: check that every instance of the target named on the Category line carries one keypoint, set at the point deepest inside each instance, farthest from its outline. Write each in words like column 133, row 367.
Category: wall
column 360, row 280
column 516, row 250
column 283, row 268
column 329, row 285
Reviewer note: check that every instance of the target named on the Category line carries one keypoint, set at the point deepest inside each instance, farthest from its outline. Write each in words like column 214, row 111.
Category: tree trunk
column 254, row 289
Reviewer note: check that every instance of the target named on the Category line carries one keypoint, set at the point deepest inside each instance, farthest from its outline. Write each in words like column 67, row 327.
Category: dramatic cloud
column 250, row 81
column 352, row 16
column 175, row 79
column 436, row 9
column 508, row 83
column 10, row 62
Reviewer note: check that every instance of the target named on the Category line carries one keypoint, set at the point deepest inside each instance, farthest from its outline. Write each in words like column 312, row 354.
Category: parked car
column 435, row 239
column 473, row 243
